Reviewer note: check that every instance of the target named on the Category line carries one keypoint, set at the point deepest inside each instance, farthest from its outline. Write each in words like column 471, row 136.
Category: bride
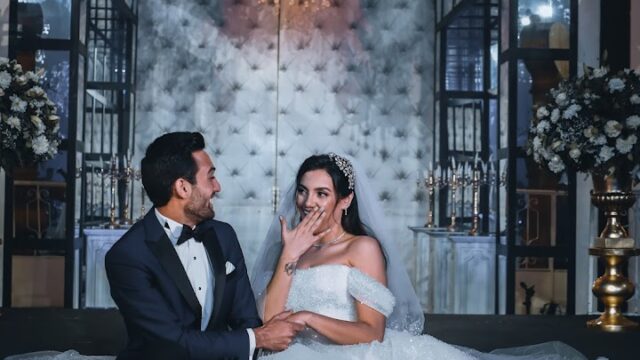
column 338, row 270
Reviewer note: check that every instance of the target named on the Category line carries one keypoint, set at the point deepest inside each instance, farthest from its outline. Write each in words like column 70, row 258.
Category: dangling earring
column 345, row 211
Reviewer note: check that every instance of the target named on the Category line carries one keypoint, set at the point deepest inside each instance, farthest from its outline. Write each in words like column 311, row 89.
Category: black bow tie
column 188, row 233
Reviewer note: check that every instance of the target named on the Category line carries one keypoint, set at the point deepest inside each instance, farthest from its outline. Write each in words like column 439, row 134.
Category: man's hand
column 277, row 333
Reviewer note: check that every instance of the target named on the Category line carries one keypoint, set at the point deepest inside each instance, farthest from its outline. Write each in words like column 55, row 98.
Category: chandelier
column 306, row 4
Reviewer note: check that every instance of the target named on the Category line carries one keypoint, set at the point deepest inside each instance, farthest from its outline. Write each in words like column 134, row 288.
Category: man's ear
column 182, row 188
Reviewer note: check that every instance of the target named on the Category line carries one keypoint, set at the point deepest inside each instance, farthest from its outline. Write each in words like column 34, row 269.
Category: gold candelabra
column 127, row 175
column 113, row 176
column 138, row 176
column 475, row 198
column 430, row 183
column 454, row 183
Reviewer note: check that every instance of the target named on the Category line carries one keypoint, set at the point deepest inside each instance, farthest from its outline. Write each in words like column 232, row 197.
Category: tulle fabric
column 57, row 355
column 405, row 346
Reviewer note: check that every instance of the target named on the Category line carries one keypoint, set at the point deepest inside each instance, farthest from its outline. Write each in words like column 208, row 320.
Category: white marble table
column 454, row 272
column 473, row 269
column 99, row 241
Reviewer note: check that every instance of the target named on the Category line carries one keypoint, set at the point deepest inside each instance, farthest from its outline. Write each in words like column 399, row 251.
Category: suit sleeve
column 244, row 313
column 143, row 306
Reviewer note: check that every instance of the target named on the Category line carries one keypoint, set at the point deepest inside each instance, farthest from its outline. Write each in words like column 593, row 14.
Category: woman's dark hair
column 351, row 222
column 167, row 159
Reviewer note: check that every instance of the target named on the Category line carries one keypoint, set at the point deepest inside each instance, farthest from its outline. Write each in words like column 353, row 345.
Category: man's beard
column 198, row 207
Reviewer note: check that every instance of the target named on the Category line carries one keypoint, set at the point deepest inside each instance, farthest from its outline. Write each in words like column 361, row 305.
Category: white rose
column 635, row 99
column 616, row 84
column 606, row 153
column 35, row 91
column 575, row 154
column 555, row 115
column 571, row 111
column 561, row 98
column 542, row 126
column 633, row 121
column 40, row 145
column 5, row 79
column 623, row 146
column 599, row 140
column 589, row 132
column 556, row 165
column 542, row 112
column 17, row 104
column 537, row 143
column 3, row 60
column 612, row 128
column 14, row 122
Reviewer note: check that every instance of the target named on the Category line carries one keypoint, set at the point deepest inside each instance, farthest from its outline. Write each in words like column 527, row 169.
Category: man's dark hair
column 167, row 159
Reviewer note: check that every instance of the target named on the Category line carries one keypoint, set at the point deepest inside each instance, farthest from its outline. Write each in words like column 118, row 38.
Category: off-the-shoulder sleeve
column 370, row 292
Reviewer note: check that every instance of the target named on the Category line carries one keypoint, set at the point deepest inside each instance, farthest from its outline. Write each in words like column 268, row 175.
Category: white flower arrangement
column 591, row 124
column 29, row 126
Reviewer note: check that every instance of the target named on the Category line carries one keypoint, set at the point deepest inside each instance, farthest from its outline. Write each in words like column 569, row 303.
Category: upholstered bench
column 102, row 332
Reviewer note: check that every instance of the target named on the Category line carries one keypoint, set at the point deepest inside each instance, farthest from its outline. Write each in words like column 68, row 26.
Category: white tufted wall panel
column 353, row 78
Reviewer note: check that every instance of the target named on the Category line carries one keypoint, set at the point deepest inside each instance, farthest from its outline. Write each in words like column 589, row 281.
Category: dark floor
column 99, row 332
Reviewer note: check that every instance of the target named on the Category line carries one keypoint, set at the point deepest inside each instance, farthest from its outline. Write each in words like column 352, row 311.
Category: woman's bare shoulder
column 364, row 248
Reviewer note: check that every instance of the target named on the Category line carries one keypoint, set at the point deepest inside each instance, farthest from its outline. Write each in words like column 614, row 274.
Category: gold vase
column 613, row 289
column 613, row 196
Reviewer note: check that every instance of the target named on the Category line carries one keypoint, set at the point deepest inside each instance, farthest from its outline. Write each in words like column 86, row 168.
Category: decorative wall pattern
column 269, row 89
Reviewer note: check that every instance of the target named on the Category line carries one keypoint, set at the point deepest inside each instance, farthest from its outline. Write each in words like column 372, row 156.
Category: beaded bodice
column 332, row 290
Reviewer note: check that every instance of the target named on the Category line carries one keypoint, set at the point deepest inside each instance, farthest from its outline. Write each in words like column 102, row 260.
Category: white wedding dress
column 332, row 290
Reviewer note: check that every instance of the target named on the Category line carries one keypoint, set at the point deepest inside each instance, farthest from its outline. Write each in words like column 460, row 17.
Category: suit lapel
column 214, row 250
column 163, row 249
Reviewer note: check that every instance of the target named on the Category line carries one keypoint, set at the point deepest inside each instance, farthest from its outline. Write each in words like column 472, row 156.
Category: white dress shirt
column 197, row 265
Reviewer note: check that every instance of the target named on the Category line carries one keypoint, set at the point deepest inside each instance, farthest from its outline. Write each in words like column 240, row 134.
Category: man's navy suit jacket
column 160, row 309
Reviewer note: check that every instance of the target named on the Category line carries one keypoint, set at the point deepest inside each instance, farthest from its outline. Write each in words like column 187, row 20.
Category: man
column 178, row 276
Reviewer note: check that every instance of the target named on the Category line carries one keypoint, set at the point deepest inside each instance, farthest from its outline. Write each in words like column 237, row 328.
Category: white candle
column 483, row 165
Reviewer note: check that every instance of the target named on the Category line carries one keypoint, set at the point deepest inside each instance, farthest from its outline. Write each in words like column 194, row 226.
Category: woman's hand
column 298, row 240
column 301, row 317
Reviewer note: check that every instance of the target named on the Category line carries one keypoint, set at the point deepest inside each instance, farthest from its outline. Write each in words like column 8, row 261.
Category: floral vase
column 614, row 247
